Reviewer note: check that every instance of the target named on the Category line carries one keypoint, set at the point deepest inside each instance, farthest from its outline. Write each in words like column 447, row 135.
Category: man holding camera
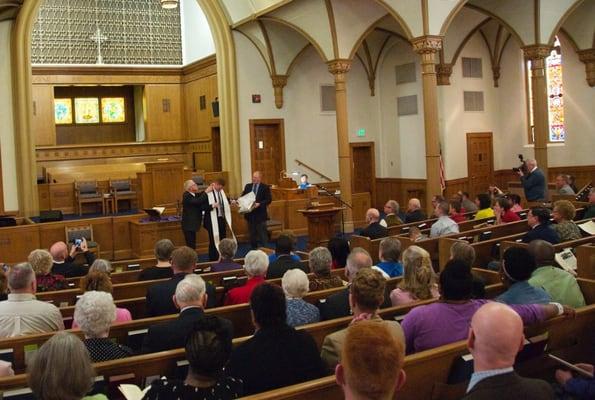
column 533, row 181
column 64, row 263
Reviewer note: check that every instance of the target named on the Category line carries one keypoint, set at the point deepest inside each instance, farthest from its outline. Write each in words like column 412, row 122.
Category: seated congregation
column 360, row 314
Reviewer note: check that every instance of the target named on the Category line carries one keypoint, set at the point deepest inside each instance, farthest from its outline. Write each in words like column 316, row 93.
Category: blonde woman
column 419, row 280
column 41, row 261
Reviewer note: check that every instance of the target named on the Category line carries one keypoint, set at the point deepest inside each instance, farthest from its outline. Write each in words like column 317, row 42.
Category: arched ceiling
column 580, row 26
column 9, row 8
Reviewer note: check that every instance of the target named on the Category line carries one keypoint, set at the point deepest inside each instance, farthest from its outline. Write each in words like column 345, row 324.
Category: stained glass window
column 557, row 132
column 113, row 109
column 63, row 111
column 86, row 110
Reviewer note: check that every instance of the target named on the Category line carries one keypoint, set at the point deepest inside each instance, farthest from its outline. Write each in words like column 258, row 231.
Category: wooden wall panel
column 399, row 189
column 122, row 246
column 455, row 185
column 165, row 120
column 17, row 242
column 42, row 121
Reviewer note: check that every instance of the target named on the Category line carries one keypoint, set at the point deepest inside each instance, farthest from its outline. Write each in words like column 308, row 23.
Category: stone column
column 339, row 69
column 588, row 57
column 537, row 55
column 427, row 47
column 279, row 82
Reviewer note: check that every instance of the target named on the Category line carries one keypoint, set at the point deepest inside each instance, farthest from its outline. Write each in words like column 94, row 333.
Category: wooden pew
column 557, row 247
column 585, row 261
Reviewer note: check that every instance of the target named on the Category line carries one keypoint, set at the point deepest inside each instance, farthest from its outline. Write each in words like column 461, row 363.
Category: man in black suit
column 374, row 230
column 277, row 355
column 160, row 296
column 533, row 181
column 220, row 205
column 495, row 338
column 414, row 212
column 337, row 305
column 64, row 263
column 191, row 299
column 538, row 219
column 284, row 261
column 257, row 218
column 193, row 204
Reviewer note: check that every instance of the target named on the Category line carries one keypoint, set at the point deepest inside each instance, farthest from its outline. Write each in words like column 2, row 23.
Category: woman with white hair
column 41, row 261
column 94, row 313
column 256, row 264
column 295, row 284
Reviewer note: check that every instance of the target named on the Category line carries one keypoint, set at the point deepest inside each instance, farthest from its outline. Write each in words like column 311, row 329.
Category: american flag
column 442, row 179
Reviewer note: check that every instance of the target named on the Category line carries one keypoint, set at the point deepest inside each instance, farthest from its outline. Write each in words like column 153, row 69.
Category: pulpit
column 321, row 224
column 162, row 183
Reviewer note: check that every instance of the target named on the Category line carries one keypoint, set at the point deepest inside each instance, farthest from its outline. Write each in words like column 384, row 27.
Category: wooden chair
column 121, row 189
column 82, row 231
column 88, row 192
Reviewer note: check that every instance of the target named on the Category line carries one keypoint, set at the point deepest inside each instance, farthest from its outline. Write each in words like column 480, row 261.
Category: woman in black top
column 163, row 250
column 208, row 348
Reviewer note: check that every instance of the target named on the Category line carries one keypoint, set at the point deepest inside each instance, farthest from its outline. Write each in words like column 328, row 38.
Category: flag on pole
column 442, row 179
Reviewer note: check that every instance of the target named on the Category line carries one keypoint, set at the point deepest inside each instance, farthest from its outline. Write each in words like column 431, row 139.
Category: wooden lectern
column 321, row 222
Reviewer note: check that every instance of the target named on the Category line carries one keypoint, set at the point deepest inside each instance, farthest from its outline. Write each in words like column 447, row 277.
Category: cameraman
column 533, row 181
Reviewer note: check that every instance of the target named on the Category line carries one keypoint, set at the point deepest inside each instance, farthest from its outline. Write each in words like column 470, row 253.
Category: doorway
column 267, row 148
column 480, row 162
column 363, row 169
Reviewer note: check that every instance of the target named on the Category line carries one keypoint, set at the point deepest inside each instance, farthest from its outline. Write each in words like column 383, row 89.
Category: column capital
column 279, row 82
column 427, row 44
column 9, row 9
column 339, row 66
column 588, row 58
column 537, row 52
column 587, row 55
column 443, row 73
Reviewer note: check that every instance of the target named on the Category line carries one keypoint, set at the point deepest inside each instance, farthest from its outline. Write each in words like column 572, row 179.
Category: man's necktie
column 255, row 188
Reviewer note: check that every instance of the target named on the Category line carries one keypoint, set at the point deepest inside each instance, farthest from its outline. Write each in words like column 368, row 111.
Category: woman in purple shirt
column 448, row 320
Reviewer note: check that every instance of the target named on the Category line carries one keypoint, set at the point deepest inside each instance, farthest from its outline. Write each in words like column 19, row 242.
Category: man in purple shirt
column 448, row 320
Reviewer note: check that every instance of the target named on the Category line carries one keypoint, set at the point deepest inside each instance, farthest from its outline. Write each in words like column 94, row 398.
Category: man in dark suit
column 495, row 338
column 160, row 296
column 533, row 182
column 538, row 219
column 374, row 230
column 414, row 212
column 64, row 263
column 277, row 355
column 257, row 218
column 191, row 299
column 284, row 261
column 193, row 204
column 220, row 206
column 337, row 305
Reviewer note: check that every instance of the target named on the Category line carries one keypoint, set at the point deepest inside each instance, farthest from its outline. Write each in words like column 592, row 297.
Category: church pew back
column 585, row 261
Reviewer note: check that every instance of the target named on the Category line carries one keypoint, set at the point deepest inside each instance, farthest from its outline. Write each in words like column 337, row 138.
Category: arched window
column 557, row 132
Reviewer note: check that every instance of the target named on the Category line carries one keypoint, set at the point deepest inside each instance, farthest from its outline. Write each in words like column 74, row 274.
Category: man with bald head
column 414, row 212
column 495, row 338
column 64, row 261
column 257, row 218
column 374, row 230
column 190, row 298
column 533, row 181
column 337, row 305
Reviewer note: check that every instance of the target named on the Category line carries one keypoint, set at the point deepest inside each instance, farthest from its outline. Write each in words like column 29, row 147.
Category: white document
column 567, row 260
column 246, row 202
column 133, row 392
column 588, row 227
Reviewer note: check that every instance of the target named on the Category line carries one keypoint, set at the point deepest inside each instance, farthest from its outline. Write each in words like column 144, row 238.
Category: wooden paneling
column 164, row 116
column 399, row 189
column 583, row 174
column 42, row 121
column 455, row 185
column 267, row 148
column 480, row 161
column 101, row 132
column 110, row 75
column 17, row 242
column 363, row 168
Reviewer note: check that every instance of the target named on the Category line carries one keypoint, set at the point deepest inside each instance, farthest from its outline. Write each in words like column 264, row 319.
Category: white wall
column 402, row 138
column 310, row 135
column 454, row 122
column 7, row 146
column 197, row 40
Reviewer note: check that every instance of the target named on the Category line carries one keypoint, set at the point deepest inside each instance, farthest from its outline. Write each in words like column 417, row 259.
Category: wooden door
column 480, row 162
column 216, row 148
column 267, row 145
column 363, row 169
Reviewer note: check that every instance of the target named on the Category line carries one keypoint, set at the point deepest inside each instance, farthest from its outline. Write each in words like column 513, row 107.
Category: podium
column 321, row 223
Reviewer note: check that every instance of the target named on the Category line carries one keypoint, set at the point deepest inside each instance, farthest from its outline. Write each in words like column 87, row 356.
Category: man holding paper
column 217, row 217
column 257, row 217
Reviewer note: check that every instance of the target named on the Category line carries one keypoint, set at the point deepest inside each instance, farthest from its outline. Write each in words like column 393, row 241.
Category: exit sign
column 361, row 132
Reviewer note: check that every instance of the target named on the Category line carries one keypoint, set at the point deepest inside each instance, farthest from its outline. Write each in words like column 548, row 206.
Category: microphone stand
column 338, row 198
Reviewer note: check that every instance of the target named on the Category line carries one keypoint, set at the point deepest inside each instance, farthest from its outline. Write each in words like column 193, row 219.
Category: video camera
column 523, row 167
